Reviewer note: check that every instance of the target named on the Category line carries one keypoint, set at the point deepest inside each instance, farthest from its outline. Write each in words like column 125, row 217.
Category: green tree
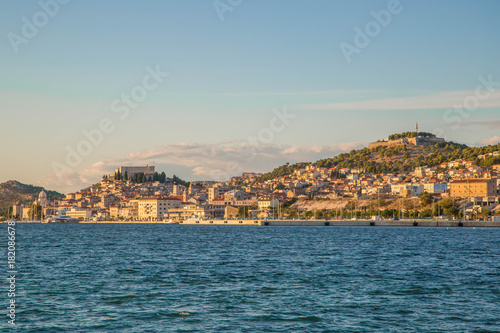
column 425, row 199
column 35, row 212
column 446, row 203
column 242, row 212
column 293, row 214
column 163, row 177
column 386, row 213
column 426, row 213
column 289, row 203
column 448, row 207
column 351, row 205
column 179, row 181
column 451, row 212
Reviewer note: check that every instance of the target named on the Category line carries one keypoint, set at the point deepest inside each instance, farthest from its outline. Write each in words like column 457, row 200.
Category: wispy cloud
column 199, row 161
column 490, row 141
column 484, row 124
column 286, row 93
column 443, row 100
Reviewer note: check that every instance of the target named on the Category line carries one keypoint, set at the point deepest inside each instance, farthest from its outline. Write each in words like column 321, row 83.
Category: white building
column 80, row 214
column 156, row 208
column 17, row 210
column 268, row 203
column 186, row 212
column 353, row 177
column 133, row 206
column 435, row 188
column 217, row 192
column 407, row 190
column 132, row 170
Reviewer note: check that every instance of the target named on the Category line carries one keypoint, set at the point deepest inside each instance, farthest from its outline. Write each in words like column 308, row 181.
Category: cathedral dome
column 42, row 199
column 42, row 195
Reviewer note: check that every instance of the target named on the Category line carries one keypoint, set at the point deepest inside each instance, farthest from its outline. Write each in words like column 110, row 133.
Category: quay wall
column 317, row 223
column 221, row 222
column 358, row 223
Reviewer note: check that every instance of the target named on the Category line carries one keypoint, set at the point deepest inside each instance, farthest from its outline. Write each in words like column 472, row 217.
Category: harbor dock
column 346, row 223
column 314, row 223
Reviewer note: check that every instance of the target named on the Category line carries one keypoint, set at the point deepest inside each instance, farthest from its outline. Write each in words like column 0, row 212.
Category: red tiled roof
column 475, row 180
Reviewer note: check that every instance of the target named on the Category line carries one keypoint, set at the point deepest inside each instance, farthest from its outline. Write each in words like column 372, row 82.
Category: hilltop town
column 410, row 174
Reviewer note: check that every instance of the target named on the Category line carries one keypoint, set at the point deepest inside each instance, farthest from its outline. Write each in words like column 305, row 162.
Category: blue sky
column 228, row 77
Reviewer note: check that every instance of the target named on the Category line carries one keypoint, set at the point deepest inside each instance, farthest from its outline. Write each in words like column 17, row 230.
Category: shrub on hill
column 399, row 159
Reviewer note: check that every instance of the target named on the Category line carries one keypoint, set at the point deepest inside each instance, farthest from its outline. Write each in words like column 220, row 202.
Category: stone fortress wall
column 406, row 141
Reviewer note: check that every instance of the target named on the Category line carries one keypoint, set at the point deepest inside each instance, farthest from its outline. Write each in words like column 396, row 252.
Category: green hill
column 14, row 191
column 397, row 159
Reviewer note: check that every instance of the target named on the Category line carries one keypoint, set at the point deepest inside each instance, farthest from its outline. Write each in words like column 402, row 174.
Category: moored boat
column 62, row 219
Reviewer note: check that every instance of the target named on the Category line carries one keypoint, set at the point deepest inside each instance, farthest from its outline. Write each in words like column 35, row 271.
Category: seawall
column 317, row 223
column 357, row 223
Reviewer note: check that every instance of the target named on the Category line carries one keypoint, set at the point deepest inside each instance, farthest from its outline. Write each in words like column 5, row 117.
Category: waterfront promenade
column 316, row 223
column 353, row 223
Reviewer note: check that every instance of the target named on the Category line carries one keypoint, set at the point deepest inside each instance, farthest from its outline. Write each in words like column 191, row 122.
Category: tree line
column 141, row 177
column 411, row 135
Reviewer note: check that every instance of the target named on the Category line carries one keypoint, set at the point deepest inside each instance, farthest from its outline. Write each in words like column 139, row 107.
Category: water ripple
column 158, row 278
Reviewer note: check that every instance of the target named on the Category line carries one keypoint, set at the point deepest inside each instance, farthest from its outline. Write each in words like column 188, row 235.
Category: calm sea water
column 166, row 278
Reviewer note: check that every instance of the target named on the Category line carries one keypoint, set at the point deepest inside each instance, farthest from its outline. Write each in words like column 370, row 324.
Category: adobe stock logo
column 222, row 6
column 30, row 28
column 373, row 28
column 486, row 89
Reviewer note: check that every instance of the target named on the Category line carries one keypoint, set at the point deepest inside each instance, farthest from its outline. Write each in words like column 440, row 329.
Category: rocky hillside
column 13, row 191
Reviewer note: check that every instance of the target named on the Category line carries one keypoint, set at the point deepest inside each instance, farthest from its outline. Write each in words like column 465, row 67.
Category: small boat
column 170, row 221
column 62, row 219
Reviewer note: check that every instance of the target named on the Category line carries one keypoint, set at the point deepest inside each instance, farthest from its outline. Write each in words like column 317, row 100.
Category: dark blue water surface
column 167, row 278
